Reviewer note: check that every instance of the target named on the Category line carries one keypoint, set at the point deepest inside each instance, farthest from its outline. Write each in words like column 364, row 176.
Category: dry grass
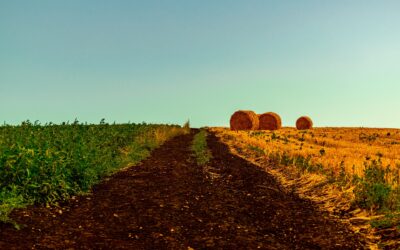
column 335, row 149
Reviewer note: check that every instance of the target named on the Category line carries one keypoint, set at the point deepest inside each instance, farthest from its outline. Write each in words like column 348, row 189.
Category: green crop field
column 48, row 163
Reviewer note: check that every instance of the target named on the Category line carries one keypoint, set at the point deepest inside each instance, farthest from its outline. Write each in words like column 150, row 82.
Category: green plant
column 10, row 200
column 257, row 133
column 372, row 191
column 389, row 220
column 200, row 150
column 259, row 152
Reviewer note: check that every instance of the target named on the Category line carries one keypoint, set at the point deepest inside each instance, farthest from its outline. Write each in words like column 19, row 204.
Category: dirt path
column 167, row 202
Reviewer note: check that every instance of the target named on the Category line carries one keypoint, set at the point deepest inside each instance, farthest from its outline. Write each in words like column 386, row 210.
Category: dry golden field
column 351, row 172
column 337, row 150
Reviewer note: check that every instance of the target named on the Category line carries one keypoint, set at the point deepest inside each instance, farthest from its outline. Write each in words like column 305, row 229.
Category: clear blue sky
column 169, row 61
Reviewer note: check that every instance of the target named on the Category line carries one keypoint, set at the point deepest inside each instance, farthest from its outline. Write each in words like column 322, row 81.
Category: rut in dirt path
column 167, row 202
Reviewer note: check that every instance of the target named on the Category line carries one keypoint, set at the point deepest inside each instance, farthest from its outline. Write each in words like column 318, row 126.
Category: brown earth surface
column 168, row 202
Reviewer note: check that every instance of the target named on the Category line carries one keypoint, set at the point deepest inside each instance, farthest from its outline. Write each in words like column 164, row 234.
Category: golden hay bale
column 244, row 120
column 304, row 122
column 269, row 121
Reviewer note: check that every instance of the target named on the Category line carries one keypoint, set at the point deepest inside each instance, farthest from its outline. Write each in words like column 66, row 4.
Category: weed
column 186, row 127
column 369, row 138
column 388, row 221
column 372, row 191
column 199, row 148
column 259, row 151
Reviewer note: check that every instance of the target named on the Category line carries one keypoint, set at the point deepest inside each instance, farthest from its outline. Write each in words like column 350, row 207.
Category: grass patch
column 257, row 150
column 200, row 149
column 388, row 221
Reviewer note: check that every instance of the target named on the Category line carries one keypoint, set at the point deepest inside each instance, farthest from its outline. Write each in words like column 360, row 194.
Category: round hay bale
column 269, row 121
column 244, row 120
column 304, row 122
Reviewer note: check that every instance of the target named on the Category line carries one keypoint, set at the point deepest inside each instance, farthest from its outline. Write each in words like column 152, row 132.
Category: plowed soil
column 168, row 202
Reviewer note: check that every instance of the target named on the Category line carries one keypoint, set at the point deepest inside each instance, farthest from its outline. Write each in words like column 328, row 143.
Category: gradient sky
column 169, row 61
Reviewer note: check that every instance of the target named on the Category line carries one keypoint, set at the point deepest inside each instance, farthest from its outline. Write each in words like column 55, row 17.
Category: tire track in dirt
column 167, row 202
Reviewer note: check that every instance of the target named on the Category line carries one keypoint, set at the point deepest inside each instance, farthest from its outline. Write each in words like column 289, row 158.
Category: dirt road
column 167, row 202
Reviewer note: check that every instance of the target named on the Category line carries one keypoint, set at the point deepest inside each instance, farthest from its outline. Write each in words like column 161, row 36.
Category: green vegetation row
column 199, row 148
column 48, row 163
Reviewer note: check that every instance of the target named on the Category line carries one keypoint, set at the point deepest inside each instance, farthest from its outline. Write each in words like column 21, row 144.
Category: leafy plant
column 372, row 191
